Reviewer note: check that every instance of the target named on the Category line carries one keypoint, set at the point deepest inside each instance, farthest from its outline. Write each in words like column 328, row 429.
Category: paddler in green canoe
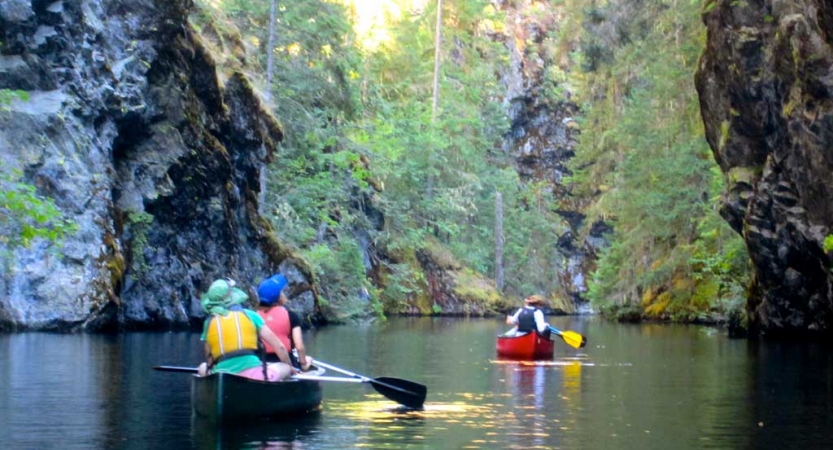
column 231, row 335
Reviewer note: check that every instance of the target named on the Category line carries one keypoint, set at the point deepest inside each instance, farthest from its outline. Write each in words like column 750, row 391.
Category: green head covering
column 221, row 296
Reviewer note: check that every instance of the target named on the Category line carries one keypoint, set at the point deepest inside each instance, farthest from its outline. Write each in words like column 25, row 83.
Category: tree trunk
column 270, row 47
column 499, row 242
column 437, row 40
column 429, row 191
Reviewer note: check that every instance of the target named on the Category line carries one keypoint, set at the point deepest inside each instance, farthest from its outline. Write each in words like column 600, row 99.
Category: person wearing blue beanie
column 270, row 289
column 231, row 333
column 283, row 322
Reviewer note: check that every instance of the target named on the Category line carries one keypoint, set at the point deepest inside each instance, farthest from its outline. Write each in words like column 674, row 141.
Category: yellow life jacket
column 234, row 332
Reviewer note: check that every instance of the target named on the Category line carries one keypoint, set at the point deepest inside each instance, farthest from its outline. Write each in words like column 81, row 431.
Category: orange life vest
column 234, row 332
column 277, row 319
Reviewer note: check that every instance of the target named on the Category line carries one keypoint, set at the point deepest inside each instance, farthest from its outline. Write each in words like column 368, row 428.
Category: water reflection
column 650, row 387
column 541, row 397
column 528, row 413
column 82, row 391
column 376, row 423
column 40, row 372
column 796, row 376
column 283, row 434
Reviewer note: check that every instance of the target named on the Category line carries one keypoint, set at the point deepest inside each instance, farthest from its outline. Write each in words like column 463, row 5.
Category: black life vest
column 526, row 320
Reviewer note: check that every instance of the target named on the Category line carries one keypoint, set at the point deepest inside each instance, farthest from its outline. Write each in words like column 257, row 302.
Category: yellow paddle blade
column 573, row 339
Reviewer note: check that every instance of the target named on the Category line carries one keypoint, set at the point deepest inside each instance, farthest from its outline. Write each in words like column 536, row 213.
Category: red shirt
column 281, row 321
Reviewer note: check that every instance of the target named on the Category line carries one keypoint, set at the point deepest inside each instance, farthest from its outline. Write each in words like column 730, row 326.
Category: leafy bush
column 27, row 215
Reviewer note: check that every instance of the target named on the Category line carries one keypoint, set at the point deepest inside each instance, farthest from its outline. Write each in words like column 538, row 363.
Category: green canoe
column 223, row 397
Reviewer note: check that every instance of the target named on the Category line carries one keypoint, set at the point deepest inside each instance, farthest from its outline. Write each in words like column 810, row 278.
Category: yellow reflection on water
column 561, row 362
column 378, row 410
column 520, row 411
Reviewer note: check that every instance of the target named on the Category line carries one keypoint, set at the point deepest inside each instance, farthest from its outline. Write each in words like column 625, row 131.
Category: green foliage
column 7, row 95
column 362, row 141
column 343, row 111
column 341, row 277
column 317, row 172
column 401, row 285
column 27, row 215
column 828, row 243
column 457, row 151
column 139, row 223
column 643, row 156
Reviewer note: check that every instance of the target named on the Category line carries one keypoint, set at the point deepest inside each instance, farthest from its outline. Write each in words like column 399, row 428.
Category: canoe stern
column 225, row 397
column 529, row 346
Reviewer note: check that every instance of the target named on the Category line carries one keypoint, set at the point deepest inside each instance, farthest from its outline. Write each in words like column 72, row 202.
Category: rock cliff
column 766, row 95
column 152, row 148
column 543, row 136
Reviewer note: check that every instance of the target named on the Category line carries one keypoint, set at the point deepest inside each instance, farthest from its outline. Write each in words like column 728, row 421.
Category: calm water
column 633, row 387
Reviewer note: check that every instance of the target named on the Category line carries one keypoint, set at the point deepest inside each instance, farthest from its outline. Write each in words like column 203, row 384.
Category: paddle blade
column 404, row 392
column 573, row 339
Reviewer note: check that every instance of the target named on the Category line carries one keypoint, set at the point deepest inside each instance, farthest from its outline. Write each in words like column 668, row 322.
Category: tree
column 643, row 155
column 499, row 241
column 270, row 48
column 436, row 91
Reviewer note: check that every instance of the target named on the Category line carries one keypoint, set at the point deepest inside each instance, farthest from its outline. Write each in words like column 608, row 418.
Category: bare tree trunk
column 429, row 191
column 270, row 47
column 499, row 241
column 437, row 40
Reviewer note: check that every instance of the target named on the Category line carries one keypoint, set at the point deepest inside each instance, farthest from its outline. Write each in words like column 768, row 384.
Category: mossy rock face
column 126, row 123
column 454, row 290
column 440, row 256
column 211, row 204
column 624, row 313
column 561, row 305
column 403, row 291
column 472, row 287
column 436, row 284
column 764, row 86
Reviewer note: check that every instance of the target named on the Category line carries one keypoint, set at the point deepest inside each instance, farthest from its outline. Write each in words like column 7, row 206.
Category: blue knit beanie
column 270, row 289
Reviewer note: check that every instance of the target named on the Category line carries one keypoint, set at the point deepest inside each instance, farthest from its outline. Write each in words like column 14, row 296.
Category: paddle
column 176, row 369
column 401, row 387
column 302, row 376
column 401, row 391
column 572, row 338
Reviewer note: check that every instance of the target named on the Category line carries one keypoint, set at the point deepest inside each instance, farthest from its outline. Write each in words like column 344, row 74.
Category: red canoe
column 529, row 346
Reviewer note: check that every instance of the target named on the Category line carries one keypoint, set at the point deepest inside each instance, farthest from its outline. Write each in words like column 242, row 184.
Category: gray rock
column 130, row 132
column 764, row 84
column 16, row 10
column 542, row 139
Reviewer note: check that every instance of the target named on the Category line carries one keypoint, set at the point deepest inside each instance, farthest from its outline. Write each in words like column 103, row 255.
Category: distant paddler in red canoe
column 530, row 338
column 529, row 318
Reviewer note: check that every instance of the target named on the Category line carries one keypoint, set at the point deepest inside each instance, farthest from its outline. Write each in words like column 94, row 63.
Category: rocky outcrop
column 453, row 289
column 766, row 94
column 543, row 136
column 150, row 148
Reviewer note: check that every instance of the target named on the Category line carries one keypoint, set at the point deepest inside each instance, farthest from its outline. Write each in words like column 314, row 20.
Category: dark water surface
column 633, row 387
